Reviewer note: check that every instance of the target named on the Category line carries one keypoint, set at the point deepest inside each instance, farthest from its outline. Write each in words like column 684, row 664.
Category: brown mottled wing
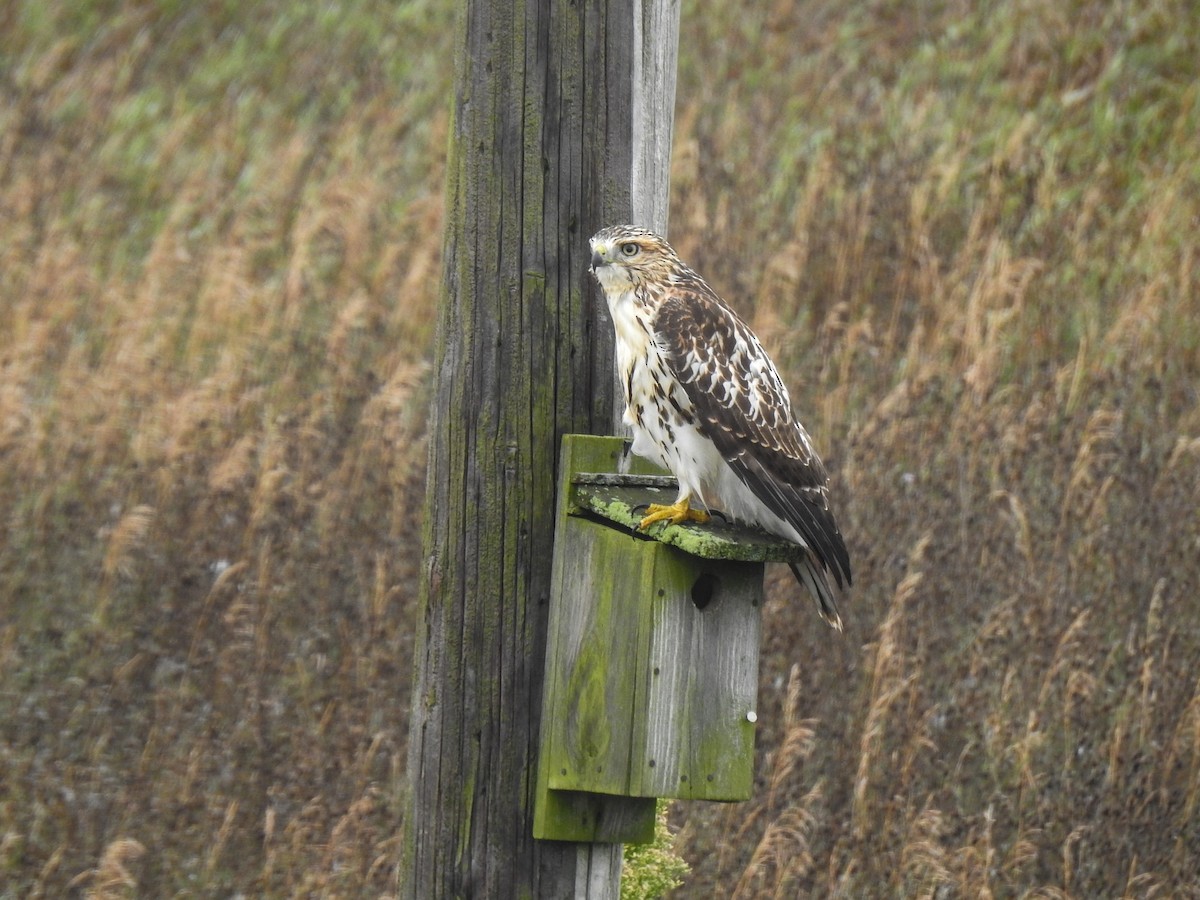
column 742, row 406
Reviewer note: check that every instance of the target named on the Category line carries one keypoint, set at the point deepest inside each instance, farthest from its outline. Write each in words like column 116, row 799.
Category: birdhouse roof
column 621, row 501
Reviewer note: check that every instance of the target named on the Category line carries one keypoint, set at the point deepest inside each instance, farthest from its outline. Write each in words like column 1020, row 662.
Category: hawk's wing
column 742, row 406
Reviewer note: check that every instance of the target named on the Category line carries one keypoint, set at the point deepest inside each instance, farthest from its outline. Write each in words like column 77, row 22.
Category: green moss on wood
column 646, row 691
column 716, row 539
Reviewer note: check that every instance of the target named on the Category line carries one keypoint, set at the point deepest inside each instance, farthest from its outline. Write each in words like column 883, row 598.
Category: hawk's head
column 625, row 256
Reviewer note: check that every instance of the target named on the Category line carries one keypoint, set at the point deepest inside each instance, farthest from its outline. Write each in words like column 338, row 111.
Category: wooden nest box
column 651, row 672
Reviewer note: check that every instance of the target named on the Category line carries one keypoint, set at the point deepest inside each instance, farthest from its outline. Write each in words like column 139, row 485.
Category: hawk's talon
column 675, row 514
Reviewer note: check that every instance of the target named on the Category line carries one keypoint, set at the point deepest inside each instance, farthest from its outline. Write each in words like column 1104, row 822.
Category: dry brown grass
column 969, row 235
column 967, row 262
column 219, row 279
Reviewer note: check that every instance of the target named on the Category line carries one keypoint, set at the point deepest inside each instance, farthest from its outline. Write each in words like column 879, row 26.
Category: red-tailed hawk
column 705, row 402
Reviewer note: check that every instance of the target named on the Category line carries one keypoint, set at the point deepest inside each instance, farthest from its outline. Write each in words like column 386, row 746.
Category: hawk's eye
column 630, row 249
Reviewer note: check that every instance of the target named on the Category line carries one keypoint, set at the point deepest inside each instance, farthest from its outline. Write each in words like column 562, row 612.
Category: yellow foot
column 680, row 511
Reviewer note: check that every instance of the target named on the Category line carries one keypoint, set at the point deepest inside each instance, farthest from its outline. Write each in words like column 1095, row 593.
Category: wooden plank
column 625, row 505
column 701, row 704
column 599, row 655
column 586, row 722
column 585, row 817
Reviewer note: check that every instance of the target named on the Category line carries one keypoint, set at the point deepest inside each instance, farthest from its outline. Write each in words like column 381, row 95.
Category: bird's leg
column 678, row 512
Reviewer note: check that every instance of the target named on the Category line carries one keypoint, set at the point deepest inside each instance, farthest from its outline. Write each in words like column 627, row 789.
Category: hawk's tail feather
column 814, row 523
column 812, row 575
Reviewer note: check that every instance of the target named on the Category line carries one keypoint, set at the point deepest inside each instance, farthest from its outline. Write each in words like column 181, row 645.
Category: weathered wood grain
column 697, row 738
column 543, row 143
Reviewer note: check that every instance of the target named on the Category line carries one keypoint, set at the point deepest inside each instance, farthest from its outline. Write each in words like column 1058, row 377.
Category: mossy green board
column 652, row 657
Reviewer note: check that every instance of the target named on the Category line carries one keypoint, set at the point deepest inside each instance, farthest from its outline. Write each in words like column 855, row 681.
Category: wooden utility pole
column 562, row 124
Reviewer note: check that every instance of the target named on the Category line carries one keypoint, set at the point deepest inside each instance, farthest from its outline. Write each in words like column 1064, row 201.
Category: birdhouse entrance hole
column 704, row 590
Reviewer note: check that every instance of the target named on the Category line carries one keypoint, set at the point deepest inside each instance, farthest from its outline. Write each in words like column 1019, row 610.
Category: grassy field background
column 970, row 234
